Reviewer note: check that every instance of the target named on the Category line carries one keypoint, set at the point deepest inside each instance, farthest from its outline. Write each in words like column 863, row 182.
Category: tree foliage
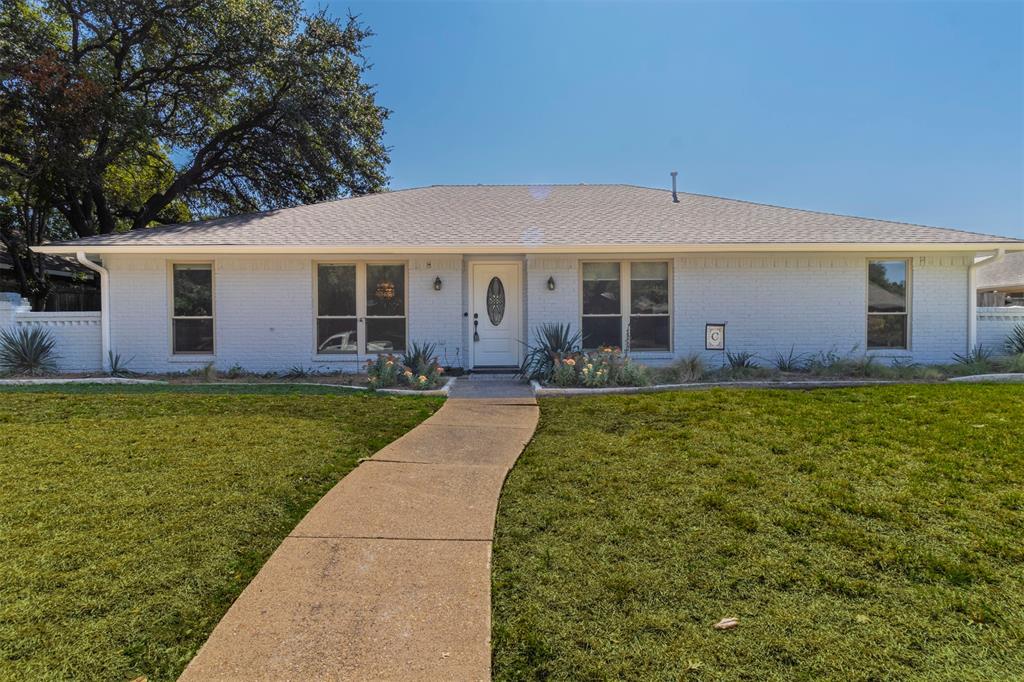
column 122, row 114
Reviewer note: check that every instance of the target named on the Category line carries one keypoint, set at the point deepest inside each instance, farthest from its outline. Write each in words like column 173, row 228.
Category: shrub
column 297, row 372
column 27, row 351
column 424, row 376
column 419, row 355
column 383, row 372
column 1012, row 363
column 684, row 371
column 741, row 359
column 421, row 369
column 118, row 365
column 633, row 374
column 552, row 341
column 565, row 373
column 791, row 361
column 595, row 371
column 1015, row 341
column 236, row 371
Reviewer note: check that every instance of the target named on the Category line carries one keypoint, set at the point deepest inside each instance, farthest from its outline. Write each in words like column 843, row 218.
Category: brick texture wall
column 811, row 302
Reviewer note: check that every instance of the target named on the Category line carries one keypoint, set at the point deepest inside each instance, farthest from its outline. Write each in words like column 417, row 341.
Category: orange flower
column 570, row 362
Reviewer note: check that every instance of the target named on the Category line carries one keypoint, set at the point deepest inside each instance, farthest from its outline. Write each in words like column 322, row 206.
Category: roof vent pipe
column 675, row 197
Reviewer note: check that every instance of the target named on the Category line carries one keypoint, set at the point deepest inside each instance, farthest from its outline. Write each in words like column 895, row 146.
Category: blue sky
column 909, row 111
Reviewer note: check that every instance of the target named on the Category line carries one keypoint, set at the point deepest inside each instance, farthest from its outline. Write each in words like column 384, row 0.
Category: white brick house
column 475, row 269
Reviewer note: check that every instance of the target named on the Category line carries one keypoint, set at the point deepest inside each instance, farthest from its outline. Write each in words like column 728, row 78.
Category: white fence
column 995, row 324
column 77, row 335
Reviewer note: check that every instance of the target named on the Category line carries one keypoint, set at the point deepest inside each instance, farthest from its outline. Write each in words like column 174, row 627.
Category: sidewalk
column 388, row 576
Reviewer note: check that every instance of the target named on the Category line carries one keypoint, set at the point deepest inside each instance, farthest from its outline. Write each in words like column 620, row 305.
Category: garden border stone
column 78, row 380
column 544, row 391
column 1007, row 378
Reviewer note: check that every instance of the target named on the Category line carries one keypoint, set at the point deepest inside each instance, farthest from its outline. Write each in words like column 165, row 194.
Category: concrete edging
column 81, row 380
column 443, row 391
column 542, row 391
column 1008, row 378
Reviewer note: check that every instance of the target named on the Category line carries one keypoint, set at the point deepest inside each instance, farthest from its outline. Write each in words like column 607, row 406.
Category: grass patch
column 858, row 534
column 132, row 516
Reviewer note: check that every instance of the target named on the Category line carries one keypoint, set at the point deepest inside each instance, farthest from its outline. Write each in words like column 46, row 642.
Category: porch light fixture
column 437, row 284
column 551, row 283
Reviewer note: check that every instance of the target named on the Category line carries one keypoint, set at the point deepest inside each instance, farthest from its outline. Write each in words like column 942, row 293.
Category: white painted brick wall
column 995, row 325
column 264, row 312
column 771, row 302
column 813, row 302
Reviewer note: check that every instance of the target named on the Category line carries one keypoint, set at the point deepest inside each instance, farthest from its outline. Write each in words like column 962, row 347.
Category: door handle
column 476, row 334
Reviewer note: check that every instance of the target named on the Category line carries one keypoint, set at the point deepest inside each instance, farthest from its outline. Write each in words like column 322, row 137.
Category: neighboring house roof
column 55, row 266
column 507, row 218
column 1009, row 272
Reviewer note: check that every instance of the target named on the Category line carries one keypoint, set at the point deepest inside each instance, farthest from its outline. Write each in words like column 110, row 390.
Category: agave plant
column 119, row 365
column 419, row 355
column 27, row 351
column 551, row 341
column 791, row 361
column 1015, row 341
column 741, row 359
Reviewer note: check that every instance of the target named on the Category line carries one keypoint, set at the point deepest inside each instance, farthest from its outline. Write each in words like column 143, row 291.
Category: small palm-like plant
column 419, row 355
column 551, row 341
column 27, row 351
column 979, row 355
column 1015, row 341
column 118, row 365
column 791, row 361
column 741, row 359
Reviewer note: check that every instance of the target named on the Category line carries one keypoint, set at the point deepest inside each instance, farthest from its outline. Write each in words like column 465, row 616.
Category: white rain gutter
column 104, row 307
column 972, row 297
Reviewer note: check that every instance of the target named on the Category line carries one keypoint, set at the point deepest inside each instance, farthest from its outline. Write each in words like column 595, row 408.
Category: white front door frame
column 480, row 273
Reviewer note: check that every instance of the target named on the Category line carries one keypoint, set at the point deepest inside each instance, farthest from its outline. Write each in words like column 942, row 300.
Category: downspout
column 972, row 297
column 104, row 307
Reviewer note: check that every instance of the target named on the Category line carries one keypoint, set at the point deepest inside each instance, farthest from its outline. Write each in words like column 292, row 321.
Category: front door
column 494, row 314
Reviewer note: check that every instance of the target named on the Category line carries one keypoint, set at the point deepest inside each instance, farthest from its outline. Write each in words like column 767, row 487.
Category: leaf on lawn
column 726, row 624
column 861, row 618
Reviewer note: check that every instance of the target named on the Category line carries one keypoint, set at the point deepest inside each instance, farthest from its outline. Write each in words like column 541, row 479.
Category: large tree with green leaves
column 122, row 114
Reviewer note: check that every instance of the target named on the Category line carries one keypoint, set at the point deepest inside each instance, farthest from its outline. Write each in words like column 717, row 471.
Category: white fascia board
column 71, row 249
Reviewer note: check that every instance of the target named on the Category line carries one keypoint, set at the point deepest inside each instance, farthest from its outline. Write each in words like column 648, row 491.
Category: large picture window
column 645, row 324
column 888, row 304
column 361, row 307
column 192, row 308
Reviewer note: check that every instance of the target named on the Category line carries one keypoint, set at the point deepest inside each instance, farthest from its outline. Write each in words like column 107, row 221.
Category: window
column 192, row 308
column 646, row 325
column 360, row 307
column 336, row 309
column 385, row 308
column 602, row 305
column 648, row 306
column 888, row 299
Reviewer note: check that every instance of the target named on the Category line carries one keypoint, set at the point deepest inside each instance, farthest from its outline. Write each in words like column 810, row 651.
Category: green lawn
column 131, row 517
column 858, row 534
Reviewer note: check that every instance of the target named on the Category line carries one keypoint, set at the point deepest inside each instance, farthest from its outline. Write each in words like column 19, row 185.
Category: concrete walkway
column 388, row 576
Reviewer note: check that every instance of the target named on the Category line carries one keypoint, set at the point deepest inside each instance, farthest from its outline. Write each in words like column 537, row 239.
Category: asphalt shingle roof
column 528, row 217
column 1009, row 272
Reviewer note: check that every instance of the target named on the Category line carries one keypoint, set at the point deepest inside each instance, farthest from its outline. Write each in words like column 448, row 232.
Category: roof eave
column 71, row 248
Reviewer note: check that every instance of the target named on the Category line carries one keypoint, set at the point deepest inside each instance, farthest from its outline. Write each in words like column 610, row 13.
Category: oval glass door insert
column 495, row 301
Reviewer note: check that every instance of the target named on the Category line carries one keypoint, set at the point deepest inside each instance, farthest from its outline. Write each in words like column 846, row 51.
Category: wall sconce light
column 437, row 284
column 551, row 283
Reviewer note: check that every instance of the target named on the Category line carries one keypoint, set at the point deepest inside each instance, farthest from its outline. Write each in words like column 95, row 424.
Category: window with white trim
column 360, row 308
column 192, row 308
column 888, row 304
column 606, row 321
